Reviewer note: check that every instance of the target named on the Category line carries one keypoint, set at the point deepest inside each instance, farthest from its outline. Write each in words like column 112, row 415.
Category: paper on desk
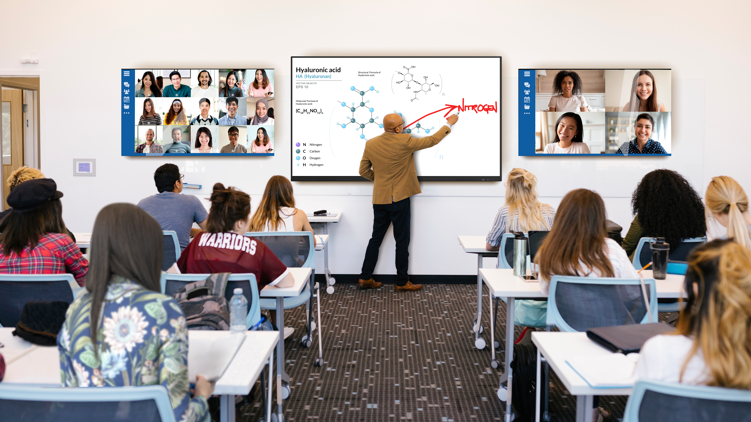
column 211, row 357
column 612, row 371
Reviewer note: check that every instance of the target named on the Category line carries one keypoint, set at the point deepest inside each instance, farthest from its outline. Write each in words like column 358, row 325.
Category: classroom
column 454, row 260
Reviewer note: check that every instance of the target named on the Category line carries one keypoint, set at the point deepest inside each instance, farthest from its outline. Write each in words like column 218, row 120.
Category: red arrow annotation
column 477, row 108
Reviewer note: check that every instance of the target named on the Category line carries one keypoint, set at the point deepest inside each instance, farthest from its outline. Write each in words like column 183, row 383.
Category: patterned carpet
column 393, row 356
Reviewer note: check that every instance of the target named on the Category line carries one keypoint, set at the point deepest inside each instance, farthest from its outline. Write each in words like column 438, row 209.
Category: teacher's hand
column 452, row 119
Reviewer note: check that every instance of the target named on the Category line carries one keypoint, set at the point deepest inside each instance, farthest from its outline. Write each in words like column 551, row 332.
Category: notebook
column 210, row 357
column 611, row 371
column 627, row 338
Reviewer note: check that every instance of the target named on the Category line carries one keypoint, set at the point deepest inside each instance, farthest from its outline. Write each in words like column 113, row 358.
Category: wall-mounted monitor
column 610, row 112
column 197, row 112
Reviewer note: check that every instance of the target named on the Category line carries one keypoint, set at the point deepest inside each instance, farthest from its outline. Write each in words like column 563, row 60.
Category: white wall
column 104, row 37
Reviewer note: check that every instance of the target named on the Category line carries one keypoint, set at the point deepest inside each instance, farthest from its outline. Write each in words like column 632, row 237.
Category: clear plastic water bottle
column 238, row 311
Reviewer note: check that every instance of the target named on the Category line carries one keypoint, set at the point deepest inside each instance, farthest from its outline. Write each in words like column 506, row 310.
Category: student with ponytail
column 728, row 204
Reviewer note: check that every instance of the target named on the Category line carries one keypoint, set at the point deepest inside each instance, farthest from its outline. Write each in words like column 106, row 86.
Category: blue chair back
column 17, row 289
column 669, row 402
column 294, row 249
column 145, row 404
column 171, row 283
column 171, row 249
column 579, row 303
column 506, row 251
column 643, row 254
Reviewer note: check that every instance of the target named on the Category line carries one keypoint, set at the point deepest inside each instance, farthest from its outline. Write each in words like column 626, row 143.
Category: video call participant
column 644, row 94
column 261, row 86
column 643, row 143
column 149, row 115
column 204, row 142
column 233, row 147
column 176, row 89
column 567, row 89
column 230, row 88
column 204, row 119
column 148, row 86
column 204, row 88
column 569, row 136
column 261, row 144
column 177, row 147
column 172, row 210
column 232, row 118
column 262, row 117
column 149, row 147
column 176, row 114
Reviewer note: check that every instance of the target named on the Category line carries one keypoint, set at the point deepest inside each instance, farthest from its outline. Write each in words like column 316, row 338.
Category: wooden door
column 12, row 135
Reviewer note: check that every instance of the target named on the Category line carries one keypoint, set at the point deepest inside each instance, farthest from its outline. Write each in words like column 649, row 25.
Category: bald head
column 393, row 123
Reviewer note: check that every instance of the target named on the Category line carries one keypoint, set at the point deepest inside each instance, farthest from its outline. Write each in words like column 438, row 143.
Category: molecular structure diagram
column 353, row 120
column 410, row 78
column 418, row 126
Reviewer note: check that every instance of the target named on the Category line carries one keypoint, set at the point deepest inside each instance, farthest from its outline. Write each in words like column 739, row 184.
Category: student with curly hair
column 567, row 90
column 728, row 204
column 665, row 205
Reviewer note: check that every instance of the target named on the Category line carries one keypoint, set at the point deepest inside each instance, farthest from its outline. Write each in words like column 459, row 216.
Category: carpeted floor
column 392, row 356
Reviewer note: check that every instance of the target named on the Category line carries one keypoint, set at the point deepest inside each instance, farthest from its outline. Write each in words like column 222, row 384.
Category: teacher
column 389, row 162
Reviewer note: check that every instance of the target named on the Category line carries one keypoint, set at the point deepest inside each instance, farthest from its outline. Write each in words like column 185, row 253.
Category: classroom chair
column 171, row 249
column 668, row 402
column 17, row 289
column 506, row 250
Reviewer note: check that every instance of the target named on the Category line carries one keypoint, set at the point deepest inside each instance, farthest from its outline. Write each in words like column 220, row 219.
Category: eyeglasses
column 182, row 176
column 400, row 124
column 234, row 135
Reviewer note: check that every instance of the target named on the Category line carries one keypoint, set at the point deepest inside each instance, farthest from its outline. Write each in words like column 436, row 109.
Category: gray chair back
column 16, row 290
column 294, row 249
column 171, row 249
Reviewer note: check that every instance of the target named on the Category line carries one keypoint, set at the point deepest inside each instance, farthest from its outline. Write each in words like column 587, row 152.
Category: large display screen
column 338, row 104
column 197, row 112
column 614, row 112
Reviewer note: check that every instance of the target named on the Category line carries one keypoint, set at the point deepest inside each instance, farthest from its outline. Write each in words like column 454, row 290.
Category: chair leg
column 263, row 391
column 546, row 392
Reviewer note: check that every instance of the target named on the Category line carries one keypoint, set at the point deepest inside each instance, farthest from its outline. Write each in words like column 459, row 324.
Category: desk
column 502, row 282
column 476, row 245
column 557, row 348
column 40, row 367
column 83, row 240
column 324, row 221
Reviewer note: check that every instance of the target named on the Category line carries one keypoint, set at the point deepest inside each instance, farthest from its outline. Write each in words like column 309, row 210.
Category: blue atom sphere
column 371, row 120
column 362, row 126
column 298, row 157
column 352, row 109
column 344, row 104
column 362, row 104
column 362, row 136
column 352, row 88
column 344, row 126
column 417, row 125
column 352, row 120
column 409, row 130
column 371, row 109
column 427, row 130
column 380, row 125
column 372, row 89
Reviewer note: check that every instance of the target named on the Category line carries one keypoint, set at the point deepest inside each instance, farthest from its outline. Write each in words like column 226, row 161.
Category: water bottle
column 238, row 311
column 660, row 251
column 520, row 254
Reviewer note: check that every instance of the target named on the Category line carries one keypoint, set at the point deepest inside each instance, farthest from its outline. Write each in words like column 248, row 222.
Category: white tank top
column 287, row 224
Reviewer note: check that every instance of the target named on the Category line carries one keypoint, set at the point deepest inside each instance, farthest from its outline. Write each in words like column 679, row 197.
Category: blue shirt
column 652, row 147
column 170, row 91
column 177, row 212
column 237, row 121
column 178, row 148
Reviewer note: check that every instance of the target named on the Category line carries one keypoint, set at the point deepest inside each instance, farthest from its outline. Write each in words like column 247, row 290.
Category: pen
column 644, row 267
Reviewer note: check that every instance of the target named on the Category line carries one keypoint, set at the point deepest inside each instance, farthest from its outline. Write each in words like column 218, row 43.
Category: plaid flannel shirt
column 54, row 254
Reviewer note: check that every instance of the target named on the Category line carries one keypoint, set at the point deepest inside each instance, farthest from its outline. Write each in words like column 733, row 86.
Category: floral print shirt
column 142, row 340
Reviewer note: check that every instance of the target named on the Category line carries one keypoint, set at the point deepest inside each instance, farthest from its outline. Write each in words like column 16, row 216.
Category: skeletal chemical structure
column 413, row 83
column 417, row 126
column 362, row 121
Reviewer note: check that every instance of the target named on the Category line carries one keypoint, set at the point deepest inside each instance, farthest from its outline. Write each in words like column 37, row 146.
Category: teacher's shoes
column 409, row 287
column 369, row 284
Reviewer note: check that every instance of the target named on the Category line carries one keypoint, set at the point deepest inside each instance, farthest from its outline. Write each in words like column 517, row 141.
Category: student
column 176, row 114
column 204, row 88
column 176, row 89
column 34, row 239
column 204, row 142
column 261, row 144
column 522, row 211
column 261, row 118
column 277, row 212
column 148, row 86
column 149, row 147
column 204, row 119
column 230, row 88
column 232, row 118
column 133, row 334
column 664, row 205
column 224, row 248
column 177, row 146
column 567, row 90
column 170, row 209
column 233, row 134
column 149, row 116
column 569, row 136
column 643, row 142
column 728, row 204
column 710, row 345
column 644, row 94
column 261, row 86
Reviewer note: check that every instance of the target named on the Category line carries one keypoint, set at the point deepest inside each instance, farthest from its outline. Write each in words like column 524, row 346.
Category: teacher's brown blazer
column 389, row 162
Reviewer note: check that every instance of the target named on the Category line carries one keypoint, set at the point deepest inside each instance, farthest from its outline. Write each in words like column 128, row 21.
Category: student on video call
column 232, row 118
column 230, row 88
column 149, row 147
column 567, row 90
column 233, row 147
column 204, row 119
column 261, row 144
column 148, row 86
column 204, row 88
column 644, row 94
column 149, row 115
column 643, row 143
column 261, row 86
column 262, row 117
column 569, row 136
column 177, row 147
column 176, row 89
column 204, row 142
column 176, row 114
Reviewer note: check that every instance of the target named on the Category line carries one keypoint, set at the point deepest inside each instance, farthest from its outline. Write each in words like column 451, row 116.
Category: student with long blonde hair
column 728, row 204
column 522, row 211
column 712, row 342
column 277, row 212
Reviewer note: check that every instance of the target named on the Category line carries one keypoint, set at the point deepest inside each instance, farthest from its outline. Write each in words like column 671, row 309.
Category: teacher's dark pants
column 399, row 214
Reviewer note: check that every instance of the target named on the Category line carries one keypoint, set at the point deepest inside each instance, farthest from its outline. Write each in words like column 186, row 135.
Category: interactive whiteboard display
column 338, row 103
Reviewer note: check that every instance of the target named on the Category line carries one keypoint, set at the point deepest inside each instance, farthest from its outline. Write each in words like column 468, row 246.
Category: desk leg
column 477, row 328
column 227, row 408
column 270, row 387
column 584, row 408
column 537, row 390
column 281, row 375
column 509, row 354
column 491, row 299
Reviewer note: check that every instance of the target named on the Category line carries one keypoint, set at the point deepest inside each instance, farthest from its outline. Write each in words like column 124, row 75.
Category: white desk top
column 83, row 240
column 475, row 244
column 321, row 241
column 502, row 282
column 558, row 347
column 301, row 276
column 325, row 219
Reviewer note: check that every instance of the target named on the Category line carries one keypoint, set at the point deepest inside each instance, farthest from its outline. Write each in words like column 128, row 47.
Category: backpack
column 204, row 304
column 524, row 366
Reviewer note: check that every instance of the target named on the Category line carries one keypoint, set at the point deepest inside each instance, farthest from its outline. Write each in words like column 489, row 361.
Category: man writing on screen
column 389, row 162
column 176, row 89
